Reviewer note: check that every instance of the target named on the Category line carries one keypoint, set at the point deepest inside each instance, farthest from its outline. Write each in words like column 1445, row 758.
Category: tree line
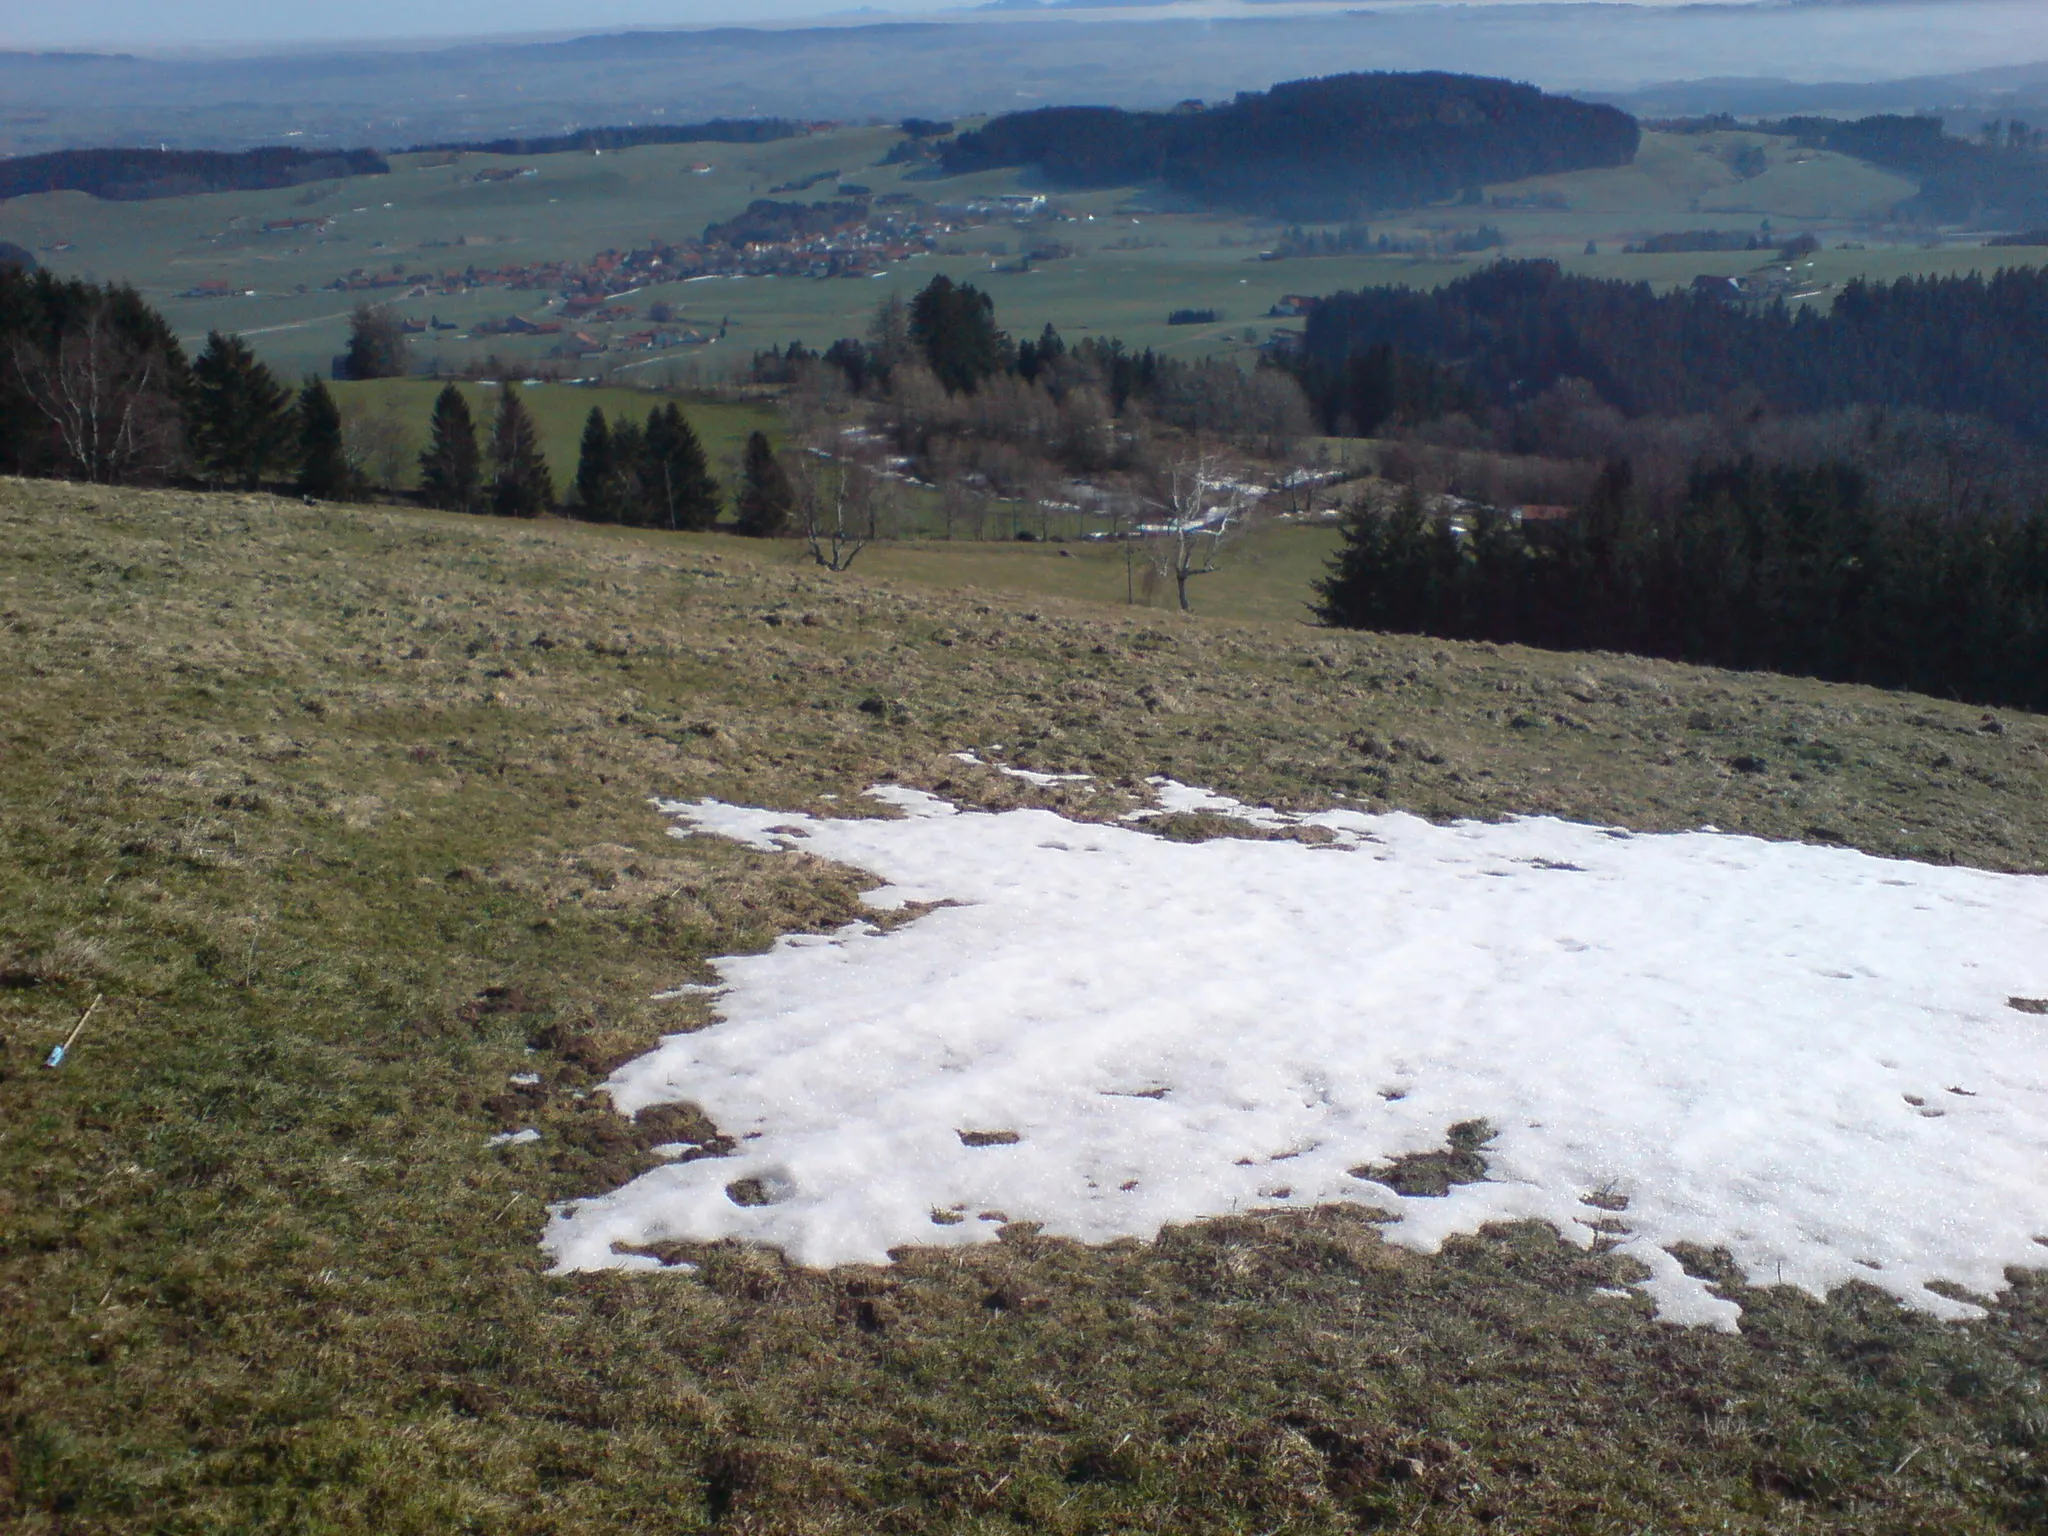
column 1970, row 345
column 1316, row 149
column 1776, row 567
column 2002, row 175
column 95, row 386
column 721, row 130
column 969, row 406
column 136, row 175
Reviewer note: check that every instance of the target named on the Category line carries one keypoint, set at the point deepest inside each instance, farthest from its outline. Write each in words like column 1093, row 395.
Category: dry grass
column 347, row 814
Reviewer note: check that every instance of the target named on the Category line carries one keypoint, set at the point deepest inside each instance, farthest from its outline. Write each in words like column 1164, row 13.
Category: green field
column 346, row 813
column 1132, row 263
column 1267, row 575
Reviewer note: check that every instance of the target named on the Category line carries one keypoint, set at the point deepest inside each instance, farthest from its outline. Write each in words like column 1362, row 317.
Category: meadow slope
column 347, row 814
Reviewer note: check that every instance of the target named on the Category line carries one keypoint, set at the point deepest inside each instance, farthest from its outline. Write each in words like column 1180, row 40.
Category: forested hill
column 1959, row 179
column 1316, row 149
column 744, row 130
column 134, row 175
column 1971, row 345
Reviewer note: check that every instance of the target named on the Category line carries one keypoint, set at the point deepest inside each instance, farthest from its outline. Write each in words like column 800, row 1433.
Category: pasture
column 1134, row 259
column 369, row 876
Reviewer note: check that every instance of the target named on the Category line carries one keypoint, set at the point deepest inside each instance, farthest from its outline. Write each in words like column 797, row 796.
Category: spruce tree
column 240, row 423
column 325, row 473
column 629, row 453
column 675, row 472
column 451, row 469
column 597, row 470
column 955, row 326
column 766, row 497
column 521, row 483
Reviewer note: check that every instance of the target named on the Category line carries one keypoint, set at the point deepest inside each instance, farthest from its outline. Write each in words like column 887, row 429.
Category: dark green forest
column 1780, row 568
column 1969, row 345
column 1988, row 180
column 748, row 130
column 136, row 175
column 767, row 220
column 1315, row 149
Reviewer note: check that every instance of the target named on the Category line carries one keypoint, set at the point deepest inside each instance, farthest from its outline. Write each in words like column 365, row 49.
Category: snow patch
column 1028, row 775
column 1803, row 1055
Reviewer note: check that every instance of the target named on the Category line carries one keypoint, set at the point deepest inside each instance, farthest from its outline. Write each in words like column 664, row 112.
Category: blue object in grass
column 56, row 1058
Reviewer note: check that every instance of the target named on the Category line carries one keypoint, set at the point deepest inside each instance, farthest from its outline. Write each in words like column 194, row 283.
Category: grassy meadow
column 345, row 812
column 1134, row 261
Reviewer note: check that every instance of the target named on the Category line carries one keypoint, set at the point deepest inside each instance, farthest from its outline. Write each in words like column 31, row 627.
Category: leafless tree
column 381, row 444
column 1202, row 507
column 834, row 507
column 106, row 399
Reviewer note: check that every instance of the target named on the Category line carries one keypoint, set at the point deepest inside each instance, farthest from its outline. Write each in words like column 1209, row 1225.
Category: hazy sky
column 155, row 24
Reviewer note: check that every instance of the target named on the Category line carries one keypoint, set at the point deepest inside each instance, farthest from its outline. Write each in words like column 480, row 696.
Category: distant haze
column 243, row 24
column 226, row 74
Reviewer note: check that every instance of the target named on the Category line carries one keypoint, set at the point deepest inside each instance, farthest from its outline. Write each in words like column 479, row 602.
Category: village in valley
column 583, row 304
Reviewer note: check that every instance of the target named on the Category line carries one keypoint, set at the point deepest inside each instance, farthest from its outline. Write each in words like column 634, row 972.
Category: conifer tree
column 675, row 473
column 521, row 483
column 766, row 497
column 451, row 469
column 597, row 471
column 629, row 456
column 240, row 423
column 955, row 326
column 325, row 473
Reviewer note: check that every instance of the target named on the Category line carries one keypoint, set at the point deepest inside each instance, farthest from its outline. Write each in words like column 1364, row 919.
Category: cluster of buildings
column 879, row 238
column 885, row 233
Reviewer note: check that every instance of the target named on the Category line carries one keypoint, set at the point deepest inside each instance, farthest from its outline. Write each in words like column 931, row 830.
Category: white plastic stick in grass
column 1802, row 1055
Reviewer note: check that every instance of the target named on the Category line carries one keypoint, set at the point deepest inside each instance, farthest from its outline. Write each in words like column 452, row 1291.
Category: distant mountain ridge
column 1316, row 149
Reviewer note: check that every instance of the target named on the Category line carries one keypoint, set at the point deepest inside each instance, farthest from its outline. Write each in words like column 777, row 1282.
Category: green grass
column 1266, row 575
column 346, row 812
column 576, row 205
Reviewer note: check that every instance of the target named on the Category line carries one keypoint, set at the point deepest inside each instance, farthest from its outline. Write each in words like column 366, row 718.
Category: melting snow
column 1803, row 1055
column 1028, row 775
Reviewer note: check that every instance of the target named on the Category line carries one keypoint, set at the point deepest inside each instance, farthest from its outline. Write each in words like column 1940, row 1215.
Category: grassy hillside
column 1134, row 258
column 346, row 813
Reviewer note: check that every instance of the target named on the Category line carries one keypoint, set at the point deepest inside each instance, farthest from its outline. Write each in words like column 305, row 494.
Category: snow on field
column 1804, row 1055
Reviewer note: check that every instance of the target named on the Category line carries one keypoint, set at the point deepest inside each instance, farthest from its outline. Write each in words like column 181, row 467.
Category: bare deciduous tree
column 834, row 505
column 105, row 398
column 1202, row 507
column 382, row 444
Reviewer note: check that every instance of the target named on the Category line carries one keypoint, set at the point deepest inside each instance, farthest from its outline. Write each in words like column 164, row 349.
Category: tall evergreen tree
column 451, row 469
column 955, row 328
column 766, row 498
column 521, row 483
column 675, row 473
column 325, row 473
column 239, row 423
column 635, row 502
column 597, row 471
column 888, row 341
